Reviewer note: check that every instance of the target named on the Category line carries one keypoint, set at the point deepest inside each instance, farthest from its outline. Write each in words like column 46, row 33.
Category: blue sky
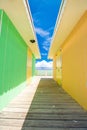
column 44, row 14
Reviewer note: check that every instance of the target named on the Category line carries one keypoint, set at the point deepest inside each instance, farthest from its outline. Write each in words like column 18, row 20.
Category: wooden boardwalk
column 51, row 109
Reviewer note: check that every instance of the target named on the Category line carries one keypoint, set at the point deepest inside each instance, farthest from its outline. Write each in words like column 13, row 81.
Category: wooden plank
column 51, row 108
column 32, row 128
column 44, row 123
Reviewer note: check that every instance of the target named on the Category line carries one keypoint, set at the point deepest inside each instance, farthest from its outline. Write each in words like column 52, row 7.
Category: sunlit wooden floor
column 51, row 109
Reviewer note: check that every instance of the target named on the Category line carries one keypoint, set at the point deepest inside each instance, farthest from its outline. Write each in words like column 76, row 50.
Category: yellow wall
column 54, row 67
column 29, row 65
column 74, row 62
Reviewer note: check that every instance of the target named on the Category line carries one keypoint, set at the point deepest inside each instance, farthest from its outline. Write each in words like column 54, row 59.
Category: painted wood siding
column 13, row 60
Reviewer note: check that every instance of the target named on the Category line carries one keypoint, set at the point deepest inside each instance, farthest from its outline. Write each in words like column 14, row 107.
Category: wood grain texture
column 47, row 108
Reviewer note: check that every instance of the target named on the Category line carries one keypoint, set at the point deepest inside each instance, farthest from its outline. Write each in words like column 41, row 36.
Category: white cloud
column 44, row 54
column 41, row 32
column 51, row 28
column 44, row 64
column 47, row 41
column 46, row 35
column 36, row 18
column 46, row 47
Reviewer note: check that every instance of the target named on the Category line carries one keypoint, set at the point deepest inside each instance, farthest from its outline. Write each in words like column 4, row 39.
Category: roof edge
column 27, row 6
column 61, row 10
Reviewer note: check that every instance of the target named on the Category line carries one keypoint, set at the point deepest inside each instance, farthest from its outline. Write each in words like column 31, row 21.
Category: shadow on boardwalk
column 53, row 109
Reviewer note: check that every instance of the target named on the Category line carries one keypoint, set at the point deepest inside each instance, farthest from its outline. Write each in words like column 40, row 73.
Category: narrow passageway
column 51, row 109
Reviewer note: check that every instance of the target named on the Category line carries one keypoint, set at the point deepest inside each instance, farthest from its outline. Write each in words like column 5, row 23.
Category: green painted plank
column 13, row 60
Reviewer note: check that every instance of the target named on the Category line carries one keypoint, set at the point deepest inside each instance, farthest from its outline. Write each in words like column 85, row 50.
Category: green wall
column 33, row 64
column 13, row 60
